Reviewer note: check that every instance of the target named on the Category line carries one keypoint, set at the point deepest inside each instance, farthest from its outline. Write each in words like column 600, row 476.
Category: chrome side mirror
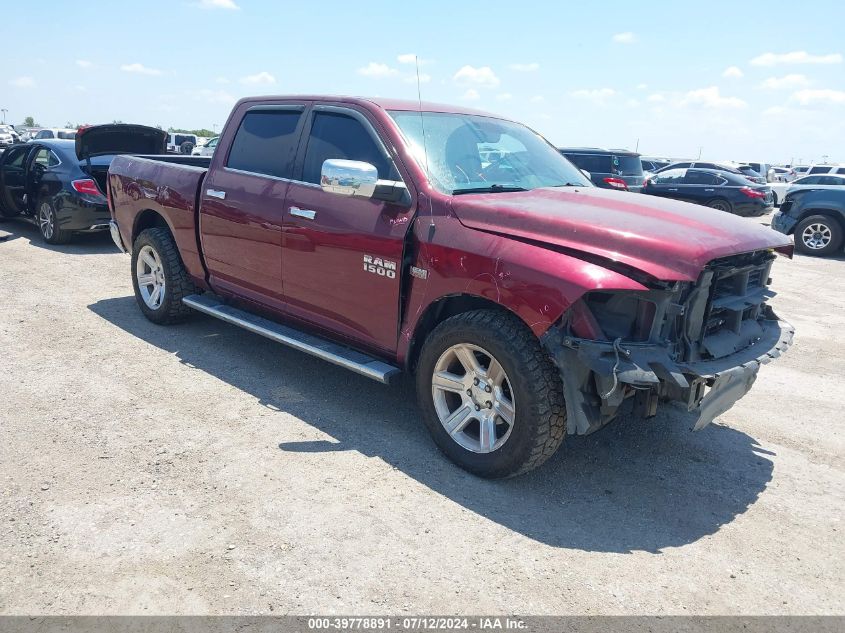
column 348, row 177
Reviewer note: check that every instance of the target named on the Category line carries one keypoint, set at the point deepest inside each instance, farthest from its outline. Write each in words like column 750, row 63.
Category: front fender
column 537, row 284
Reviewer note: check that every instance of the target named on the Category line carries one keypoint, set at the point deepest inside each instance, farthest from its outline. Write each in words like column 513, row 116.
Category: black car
column 722, row 190
column 60, row 184
column 608, row 168
column 742, row 170
column 816, row 217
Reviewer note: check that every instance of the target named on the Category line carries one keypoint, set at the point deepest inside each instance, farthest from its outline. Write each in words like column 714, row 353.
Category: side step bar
column 321, row 348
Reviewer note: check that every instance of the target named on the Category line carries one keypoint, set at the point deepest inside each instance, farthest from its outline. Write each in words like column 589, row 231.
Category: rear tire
column 48, row 225
column 818, row 235
column 159, row 277
column 513, row 418
column 721, row 204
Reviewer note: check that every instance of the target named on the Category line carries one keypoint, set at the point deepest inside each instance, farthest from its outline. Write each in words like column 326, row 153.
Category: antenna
column 425, row 144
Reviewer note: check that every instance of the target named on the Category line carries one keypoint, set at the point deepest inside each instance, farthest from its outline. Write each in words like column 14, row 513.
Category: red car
column 385, row 236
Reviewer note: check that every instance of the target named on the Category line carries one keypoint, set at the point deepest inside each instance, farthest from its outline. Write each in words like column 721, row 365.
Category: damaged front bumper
column 598, row 376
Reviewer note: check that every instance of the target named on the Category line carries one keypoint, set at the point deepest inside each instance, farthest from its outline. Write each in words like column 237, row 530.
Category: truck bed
column 168, row 185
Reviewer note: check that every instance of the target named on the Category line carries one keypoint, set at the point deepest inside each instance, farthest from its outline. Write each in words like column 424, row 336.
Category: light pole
column 4, row 111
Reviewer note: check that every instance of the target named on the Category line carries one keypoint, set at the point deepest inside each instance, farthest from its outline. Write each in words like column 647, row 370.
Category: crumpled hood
column 667, row 239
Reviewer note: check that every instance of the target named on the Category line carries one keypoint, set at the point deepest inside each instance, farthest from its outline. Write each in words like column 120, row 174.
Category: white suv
column 826, row 169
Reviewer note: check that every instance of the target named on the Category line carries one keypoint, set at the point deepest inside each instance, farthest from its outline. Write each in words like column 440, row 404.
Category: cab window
column 341, row 136
column 46, row 158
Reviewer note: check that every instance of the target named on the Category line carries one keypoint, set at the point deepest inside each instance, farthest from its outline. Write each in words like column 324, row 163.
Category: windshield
column 469, row 153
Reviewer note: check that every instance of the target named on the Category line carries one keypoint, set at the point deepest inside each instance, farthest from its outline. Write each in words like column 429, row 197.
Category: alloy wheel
column 150, row 275
column 473, row 398
column 816, row 236
column 46, row 220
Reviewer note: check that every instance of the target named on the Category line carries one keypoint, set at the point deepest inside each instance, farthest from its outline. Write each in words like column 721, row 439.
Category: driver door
column 342, row 255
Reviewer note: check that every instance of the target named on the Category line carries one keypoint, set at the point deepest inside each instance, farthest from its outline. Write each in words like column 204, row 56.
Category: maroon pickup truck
column 385, row 236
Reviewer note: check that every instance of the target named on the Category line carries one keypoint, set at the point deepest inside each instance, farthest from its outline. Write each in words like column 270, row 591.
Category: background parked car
column 54, row 132
column 816, row 217
column 179, row 143
column 7, row 137
column 783, row 174
column 653, row 164
column 817, row 181
column 610, row 169
column 717, row 189
column 826, row 169
column 763, row 169
column 207, row 149
column 734, row 168
column 60, row 184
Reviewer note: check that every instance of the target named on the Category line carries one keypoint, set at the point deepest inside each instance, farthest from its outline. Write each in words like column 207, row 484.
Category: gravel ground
column 201, row 469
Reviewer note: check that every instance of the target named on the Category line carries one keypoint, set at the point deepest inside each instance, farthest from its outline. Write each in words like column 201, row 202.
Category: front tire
column 48, row 225
column 818, row 235
column 490, row 396
column 159, row 277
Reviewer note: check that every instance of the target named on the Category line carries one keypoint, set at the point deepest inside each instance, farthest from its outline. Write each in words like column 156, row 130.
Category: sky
column 748, row 81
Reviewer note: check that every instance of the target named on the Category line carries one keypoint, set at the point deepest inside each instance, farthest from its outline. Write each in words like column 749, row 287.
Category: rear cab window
column 266, row 142
column 627, row 165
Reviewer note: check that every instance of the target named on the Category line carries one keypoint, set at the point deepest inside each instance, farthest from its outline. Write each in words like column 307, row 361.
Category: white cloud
column 598, row 95
column 411, row 78
column 22, row 82
column 471, row 95
column 374, row 69
column 222, row 80
column 625, row 38
column 504, row 96
column 826, row 95
column 83, row 63
column 642, row 86
column 471, row 76
column 795, row 57
column 655, row 98
column 711, row 98
column 525, row 68
column 733, row 72
column 262, row 78
column 775, row 111
column 217, row 4
column 140, row 69
column 80, row 88
column 632, row 103
column 787, row 82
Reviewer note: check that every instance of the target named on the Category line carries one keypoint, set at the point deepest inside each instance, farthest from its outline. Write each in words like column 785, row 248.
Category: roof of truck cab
column 384, row 104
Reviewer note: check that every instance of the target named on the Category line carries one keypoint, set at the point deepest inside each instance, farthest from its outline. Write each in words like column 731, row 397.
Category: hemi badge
column 422, row 273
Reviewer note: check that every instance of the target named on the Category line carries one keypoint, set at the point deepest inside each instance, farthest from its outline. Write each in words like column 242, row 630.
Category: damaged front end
column 698, row 343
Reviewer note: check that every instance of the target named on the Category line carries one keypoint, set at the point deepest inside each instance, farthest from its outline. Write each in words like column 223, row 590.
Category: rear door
column 699, row 186
column 242, row 201
column 343, row 254
column 13, row 179
column 667, row 184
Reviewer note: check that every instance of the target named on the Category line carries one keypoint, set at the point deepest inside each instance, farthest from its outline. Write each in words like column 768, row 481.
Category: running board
column 314, row 345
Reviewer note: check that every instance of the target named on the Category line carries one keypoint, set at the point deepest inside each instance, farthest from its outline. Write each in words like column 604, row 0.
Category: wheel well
column 439, row 311
column 148, row 219
column 836, row 216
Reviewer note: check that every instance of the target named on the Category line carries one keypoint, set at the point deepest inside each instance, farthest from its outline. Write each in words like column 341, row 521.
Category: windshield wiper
column 570, row 184
column 489, row 189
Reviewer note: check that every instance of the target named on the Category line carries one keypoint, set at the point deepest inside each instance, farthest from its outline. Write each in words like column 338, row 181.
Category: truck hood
column 669, row 240
column 119, row 138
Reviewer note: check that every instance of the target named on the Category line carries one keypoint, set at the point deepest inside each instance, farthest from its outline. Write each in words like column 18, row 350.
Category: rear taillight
column 87, row 186
column 753, row 193
column 617, row 183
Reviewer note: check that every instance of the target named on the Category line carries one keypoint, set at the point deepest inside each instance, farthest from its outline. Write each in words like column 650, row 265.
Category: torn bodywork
column 698, row 343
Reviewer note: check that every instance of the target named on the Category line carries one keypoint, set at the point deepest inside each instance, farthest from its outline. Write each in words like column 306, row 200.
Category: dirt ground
column 201, row 469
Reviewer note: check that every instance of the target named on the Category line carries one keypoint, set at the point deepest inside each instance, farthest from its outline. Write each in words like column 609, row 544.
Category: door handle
column 672, row 190
column 308, row 214
column 709, row 190
column 214, row 193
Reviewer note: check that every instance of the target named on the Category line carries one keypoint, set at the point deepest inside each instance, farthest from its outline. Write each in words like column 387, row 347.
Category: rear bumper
column 83, row 216
column 646, row 370
column 115, row 236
